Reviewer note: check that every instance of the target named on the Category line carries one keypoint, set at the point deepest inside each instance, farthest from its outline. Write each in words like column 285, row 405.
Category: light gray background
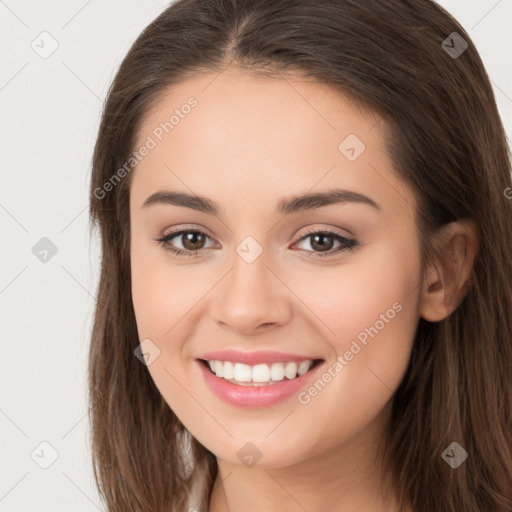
column 50, row 111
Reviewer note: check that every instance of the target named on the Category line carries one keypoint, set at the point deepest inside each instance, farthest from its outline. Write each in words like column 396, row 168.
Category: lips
column 256, row 394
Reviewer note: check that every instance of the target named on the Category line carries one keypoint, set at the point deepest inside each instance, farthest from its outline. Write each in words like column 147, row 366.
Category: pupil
column 192, row 237
column 322, row 246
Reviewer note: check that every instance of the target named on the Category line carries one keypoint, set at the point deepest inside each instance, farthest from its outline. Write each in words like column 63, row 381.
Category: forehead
column 235, row 103
column 272, row 136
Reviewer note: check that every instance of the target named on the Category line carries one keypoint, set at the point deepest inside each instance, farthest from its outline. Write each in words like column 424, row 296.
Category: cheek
column 167, row 305
column 368, row 313
column 366, row 292
column 370, row 304
column 162, row 315
column 162, row 293
column 372, row 315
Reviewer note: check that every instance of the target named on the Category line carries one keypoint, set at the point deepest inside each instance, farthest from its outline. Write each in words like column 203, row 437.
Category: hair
column 445, row 139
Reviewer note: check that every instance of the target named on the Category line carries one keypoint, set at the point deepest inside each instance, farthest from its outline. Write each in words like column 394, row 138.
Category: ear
column 448, row 277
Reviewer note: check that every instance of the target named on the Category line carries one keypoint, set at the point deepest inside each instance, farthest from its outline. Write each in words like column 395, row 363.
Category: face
column 334, row 282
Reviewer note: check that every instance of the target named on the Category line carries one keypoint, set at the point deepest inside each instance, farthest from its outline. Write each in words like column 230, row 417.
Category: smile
column 260, row 384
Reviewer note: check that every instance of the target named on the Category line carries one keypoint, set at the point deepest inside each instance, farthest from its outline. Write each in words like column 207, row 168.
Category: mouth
column 263, row 374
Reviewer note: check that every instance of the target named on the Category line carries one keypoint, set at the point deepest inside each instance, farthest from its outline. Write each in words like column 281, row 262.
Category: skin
column 249, row 143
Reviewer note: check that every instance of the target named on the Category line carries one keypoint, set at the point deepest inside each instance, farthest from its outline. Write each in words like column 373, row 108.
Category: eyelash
column 348, row 244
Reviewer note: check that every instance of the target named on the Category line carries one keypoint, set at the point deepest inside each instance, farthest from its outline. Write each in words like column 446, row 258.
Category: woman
column 305, row 298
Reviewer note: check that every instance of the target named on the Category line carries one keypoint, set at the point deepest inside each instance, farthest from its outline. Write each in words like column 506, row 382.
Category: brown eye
column 192, row 240
column 322, row 243
column 318, row 241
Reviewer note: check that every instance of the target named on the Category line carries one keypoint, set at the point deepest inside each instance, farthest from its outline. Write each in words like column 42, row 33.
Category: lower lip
column 254, row 396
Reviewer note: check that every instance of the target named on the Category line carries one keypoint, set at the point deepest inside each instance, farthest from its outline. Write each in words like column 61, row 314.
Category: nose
column 252, row 298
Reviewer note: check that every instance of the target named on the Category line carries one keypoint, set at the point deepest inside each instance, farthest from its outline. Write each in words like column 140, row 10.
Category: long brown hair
column 446, row 141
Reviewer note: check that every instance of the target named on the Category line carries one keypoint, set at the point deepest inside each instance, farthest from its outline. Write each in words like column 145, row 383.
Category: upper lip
column 253, row 358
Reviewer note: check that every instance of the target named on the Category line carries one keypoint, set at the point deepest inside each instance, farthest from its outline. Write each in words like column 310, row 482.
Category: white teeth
column 277, row 371
column 259, row 373
column 242, row 372
column 290, row 370
column 304, row 367
column 219, row 368
column 229, row 370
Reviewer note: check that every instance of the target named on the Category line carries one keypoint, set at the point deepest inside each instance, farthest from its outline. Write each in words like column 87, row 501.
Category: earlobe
column 448, row 278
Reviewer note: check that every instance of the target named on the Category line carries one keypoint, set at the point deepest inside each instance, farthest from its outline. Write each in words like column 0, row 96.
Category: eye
column 318, row 241
column 193, row 242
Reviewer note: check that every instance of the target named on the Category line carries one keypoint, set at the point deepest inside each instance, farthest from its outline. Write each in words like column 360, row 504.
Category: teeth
column 239, row 373
column 242, row 372
column 276, row 371
column 229, row 370
column 219, row 368
column 260, row 373
column 303, row 367
column 290, row 370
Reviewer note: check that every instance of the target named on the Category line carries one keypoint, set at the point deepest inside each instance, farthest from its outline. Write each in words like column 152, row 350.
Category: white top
column 199, row 493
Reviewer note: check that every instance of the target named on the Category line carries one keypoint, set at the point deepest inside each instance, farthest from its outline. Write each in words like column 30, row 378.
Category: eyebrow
column 287, row 206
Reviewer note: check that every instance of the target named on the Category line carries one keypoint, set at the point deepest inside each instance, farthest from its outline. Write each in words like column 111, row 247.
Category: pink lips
column 254, row 396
